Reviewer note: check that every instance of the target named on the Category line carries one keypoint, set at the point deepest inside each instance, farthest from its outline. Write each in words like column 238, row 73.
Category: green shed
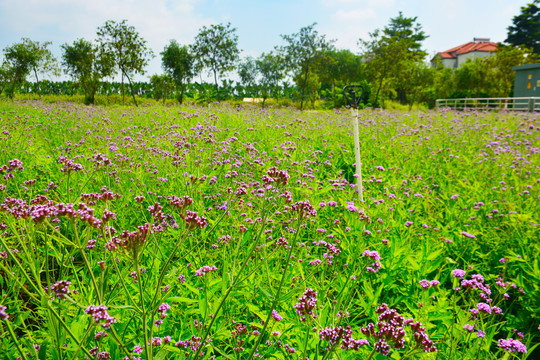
column 527, row 82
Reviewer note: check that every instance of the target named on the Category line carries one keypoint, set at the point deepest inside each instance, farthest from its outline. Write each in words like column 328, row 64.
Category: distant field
column 234, row 232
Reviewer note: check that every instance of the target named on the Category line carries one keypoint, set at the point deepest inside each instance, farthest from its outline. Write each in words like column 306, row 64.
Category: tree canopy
column 178, row 63
column 88, row 65
column 216, row 49
column 301, row 51
column 25, row 57
column 129, row 49
column 525, row 28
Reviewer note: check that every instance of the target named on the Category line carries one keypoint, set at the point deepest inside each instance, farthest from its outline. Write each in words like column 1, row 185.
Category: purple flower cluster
column 306, row 304
column 512, row 345
column 304, row 208
column 3, row 315
column 276, row 316
column 458, row 273
column 193, row 220
column 180, row 202
column 69, row 165
column 374, row 255
column 335, row 335
column 194, row 343
column 205, row 270
column 100, row 315
column 391, row 331
column 61, row 289
column 41, row 209
column 275, row 175
column 130, row 241
column 7, row 170
column 427, row 284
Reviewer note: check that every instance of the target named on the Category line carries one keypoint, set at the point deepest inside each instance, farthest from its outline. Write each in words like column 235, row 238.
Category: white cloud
column 62, row 21
column 354, row 15
column 369, row 3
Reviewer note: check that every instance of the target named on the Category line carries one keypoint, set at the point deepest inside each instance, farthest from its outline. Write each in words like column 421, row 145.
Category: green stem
column 233, row 285
column 276, row 299
column 306, row 342
column 148, row 346
column 14, row 338
column 371, row 354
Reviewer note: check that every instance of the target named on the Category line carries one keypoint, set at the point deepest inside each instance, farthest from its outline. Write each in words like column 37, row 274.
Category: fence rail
column 513, row 104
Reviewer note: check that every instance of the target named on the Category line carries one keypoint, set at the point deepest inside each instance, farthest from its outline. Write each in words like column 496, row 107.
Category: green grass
column 267, row 250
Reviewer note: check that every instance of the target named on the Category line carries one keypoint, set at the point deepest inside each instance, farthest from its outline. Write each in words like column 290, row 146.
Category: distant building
column 455, row 57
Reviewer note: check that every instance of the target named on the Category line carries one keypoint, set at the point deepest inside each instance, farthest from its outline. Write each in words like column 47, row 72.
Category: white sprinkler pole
column 359, row 184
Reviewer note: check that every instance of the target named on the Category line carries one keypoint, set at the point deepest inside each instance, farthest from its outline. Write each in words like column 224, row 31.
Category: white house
column 455, row 57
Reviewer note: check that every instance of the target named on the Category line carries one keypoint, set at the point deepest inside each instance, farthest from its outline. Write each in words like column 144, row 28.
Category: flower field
column 225, row 232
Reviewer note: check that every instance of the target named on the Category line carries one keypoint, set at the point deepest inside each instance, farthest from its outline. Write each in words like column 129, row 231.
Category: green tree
column 336, row 69
column 525, row 28
column 388, row 54
column 248, row 71
column 25, row 57
column 162, row 86
column 403, row 28
column 443, row 85
column 88, row 65
column 385, row 58
column 302, row 50
column 216, row 49
column 473, row 78
column 502, row 62
column 4, row 78
column 178, row 62
column 128, row 48
column 272, row 69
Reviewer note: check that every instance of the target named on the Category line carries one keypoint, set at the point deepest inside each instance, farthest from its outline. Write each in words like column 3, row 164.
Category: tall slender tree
column 271, row 67
column 216, row 49
column 88, row 65
column 388, row 53
column 301, row 51
column 29, row 56
column 178, row 62
column 129, row 49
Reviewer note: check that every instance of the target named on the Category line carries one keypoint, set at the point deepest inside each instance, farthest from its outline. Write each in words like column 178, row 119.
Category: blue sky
column 259, row 23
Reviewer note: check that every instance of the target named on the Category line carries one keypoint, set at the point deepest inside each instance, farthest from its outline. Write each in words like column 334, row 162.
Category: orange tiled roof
column 467, row 48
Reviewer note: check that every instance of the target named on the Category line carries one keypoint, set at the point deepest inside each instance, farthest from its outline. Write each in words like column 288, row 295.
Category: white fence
column 514, row 104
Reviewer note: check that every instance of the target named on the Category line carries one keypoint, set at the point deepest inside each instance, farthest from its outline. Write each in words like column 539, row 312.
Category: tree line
column 391, row 65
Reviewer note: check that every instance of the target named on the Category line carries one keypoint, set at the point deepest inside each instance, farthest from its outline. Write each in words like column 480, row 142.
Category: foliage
column 525, row 28
column 301, row 51
column 271, row 67
column 394, row 56
column 502, row 62
column 216, row 49
column 403, row 28
column 184, row 233
column 162, row 86
column 88, row 65
column 247, row 71
column 179, row 63
column 128, row 48
column 25, row 57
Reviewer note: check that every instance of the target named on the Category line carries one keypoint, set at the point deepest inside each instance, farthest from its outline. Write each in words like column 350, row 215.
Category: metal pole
column 354, row 100
column 358, row 162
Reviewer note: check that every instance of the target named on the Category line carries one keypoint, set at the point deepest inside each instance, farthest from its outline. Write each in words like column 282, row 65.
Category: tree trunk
column 217, row 88
column 131, row 87
column 123, row 101
column 304, row 88
column 181, row 99
column 378, row 90
column 37, row 80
